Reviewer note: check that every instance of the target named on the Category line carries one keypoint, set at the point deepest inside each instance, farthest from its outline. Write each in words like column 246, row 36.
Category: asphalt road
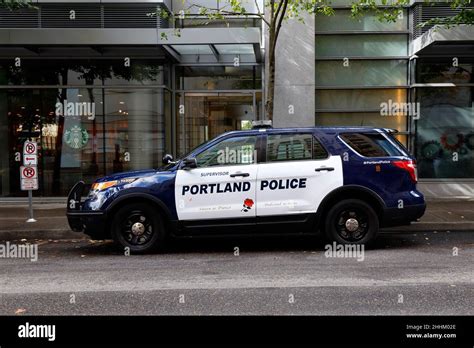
column 402, row 274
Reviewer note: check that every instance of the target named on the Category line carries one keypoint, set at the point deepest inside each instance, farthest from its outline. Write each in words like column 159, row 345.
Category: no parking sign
column 29, row 173
column 29, row 178
column 30, row 148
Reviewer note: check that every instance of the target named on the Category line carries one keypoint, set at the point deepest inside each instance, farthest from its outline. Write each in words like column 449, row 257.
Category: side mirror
column 167, row 159
column 189, row 163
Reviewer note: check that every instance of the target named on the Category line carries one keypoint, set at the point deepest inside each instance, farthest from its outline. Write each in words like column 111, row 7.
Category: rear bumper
column 88, row 221
column 403, row 216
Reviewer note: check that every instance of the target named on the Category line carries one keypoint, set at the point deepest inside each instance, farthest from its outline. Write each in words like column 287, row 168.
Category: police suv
column 343, row 182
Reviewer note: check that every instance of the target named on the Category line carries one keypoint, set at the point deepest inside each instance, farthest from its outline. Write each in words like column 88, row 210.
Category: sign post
column 29, row 174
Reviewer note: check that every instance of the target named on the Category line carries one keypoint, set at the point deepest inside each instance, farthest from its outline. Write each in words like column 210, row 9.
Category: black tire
column 341, row 228
column 139, row 227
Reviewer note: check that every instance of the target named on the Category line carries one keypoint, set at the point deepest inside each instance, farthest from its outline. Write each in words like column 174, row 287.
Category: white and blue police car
column 345, row 182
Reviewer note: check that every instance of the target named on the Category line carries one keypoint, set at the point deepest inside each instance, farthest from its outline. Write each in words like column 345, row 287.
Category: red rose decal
column 248, row 204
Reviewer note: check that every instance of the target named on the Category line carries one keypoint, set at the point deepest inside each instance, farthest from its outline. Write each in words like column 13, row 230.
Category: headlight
column 99, row 186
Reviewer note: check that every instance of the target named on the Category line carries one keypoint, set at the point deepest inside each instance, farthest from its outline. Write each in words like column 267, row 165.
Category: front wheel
column 139, row 228
column 351, row 221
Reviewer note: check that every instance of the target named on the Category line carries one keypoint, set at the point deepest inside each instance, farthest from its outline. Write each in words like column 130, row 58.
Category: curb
column 42, row 234
column 68, row 234
column 432, row 226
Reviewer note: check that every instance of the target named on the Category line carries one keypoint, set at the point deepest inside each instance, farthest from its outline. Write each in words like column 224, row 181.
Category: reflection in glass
column 208, row 115
column 82, row 72
column 441, row 70
column 398, row 122
column 342, row 21
column 218, row 77
column 134, row 129
column 362, row 72
column 445, row 133
column 361, row 45
column 358, row 99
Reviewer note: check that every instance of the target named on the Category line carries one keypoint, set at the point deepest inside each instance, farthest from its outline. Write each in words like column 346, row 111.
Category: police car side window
column 231, row 151
column 370, row 144
column 293, row 147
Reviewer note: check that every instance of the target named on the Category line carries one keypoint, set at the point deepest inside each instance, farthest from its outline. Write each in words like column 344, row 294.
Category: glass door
column 203, row 116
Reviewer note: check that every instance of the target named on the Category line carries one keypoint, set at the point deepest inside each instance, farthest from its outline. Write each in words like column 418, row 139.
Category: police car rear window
column 294, row 147
column 370, row 144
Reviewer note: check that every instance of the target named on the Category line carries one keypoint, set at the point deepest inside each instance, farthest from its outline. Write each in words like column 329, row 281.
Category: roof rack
column 262, row 124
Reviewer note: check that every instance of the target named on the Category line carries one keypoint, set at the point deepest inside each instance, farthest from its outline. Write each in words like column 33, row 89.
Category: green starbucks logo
column 76, row 137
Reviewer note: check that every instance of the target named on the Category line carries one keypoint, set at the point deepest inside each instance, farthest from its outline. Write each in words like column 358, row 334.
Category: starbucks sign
column 76, row 137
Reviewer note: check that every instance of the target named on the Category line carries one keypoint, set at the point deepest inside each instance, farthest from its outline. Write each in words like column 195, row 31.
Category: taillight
column 409, row 166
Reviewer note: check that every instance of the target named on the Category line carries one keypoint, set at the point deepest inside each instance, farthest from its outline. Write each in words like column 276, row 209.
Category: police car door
column 296, row 176
column 223, row 184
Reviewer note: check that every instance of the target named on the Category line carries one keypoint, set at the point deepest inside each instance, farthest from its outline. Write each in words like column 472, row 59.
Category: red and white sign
column 30, row 160
column 28, row 172
column 30, row 148
column 29, row 178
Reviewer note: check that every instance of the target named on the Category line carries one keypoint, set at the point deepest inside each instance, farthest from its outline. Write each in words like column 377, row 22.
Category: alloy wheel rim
column 137, row 229
column 352, row 224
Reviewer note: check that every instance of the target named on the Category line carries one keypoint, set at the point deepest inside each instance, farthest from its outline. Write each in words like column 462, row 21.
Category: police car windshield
column 171, row 165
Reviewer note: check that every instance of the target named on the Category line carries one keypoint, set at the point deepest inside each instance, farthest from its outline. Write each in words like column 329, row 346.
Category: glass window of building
column 365, row 45
column 361, row 73
column 218, row 77
column 445, row 133
column 206, row 115
column 85, row 128
column 342, row 21
column 361, row 68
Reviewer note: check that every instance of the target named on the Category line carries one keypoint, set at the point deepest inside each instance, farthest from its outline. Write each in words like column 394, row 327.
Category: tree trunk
column 271, row 76
column 270, row 89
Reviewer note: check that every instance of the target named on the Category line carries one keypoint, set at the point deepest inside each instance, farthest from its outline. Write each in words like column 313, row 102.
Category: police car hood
column 124, row 175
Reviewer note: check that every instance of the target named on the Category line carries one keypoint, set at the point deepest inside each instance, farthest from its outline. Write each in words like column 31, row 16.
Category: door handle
column 239, row 174
column 328, row 169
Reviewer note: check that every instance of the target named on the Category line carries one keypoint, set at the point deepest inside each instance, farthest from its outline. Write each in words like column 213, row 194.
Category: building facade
column 103, row 87
column 418, row 80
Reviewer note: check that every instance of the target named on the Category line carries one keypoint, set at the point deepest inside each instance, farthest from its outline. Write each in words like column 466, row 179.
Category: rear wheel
column 139, row 228
column 351, row 221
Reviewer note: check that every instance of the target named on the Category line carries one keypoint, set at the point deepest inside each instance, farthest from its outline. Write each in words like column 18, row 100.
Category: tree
column 464, row 13
column 15, row 4
column 279, row 11
column 276, row 14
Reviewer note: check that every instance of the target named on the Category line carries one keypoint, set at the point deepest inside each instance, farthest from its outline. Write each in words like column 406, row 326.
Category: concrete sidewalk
column 441, row 215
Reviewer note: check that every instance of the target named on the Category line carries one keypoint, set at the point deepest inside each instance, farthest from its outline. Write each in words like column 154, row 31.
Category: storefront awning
column 455, row 40
column 191, row 45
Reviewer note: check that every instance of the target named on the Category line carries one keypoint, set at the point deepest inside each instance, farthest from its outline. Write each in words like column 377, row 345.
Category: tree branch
column 227, row 12
column 262, row 14
column 280, row 20
column 278, row 9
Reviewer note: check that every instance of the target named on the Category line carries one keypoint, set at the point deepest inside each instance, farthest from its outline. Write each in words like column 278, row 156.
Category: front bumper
column 88, row 221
